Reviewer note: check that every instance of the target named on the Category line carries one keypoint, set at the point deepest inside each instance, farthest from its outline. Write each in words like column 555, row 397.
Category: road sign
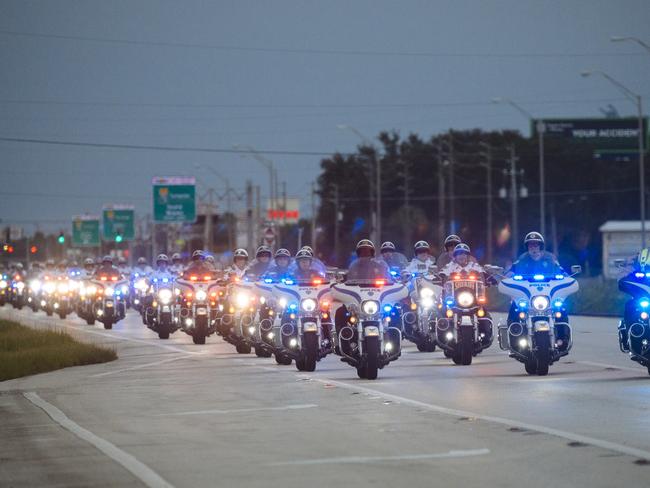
column 118, row 222
column 85, row 231
column 174, row 199
column 611, row 139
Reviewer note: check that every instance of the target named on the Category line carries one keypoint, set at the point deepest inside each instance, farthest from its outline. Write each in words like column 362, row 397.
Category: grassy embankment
column 25, row 351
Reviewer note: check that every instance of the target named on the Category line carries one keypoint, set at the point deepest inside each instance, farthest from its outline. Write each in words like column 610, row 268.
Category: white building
column 621, row 239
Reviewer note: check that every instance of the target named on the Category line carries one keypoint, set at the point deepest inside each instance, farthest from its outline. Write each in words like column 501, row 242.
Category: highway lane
column 204, row 415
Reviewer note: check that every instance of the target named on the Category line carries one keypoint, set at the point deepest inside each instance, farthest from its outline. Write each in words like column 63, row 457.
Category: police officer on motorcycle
column 260, row 264
column 280, row 268
column 239, row 264
column 107, row 267
column 396, row 261
column 304, row 270
column 366, row 267
column 535, row 260
column 422, row 260
column 447, row 256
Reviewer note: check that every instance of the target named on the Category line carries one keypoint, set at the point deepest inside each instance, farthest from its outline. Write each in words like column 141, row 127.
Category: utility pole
column 258, row 215
column 378, row 183
column 489, row 223
column 249, row 215
column 513, row 202
column 442, row 226
column 336, row 224
column 452, row 201
column 313, row 216
column 407, row 211
column 207, row 239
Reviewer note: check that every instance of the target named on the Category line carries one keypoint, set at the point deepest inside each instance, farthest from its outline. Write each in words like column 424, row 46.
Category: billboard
column 611, row 139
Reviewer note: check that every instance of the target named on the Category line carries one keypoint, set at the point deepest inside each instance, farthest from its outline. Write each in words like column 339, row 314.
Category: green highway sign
column 85, row 231
column 174, row 199
column 118, row 222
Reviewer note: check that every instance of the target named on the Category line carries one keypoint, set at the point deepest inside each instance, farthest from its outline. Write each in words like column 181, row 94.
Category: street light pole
column 541, row 128
column 645, row 45
column 632, row 96
column 489, row 225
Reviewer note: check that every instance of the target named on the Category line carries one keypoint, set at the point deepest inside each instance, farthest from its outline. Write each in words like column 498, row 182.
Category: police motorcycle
column 4, row 288
column 138, row 288
column 303, row 318
column 111, row 289
column 18, row 289
column 86, row 293
column 365, row 336
column 61, row 299
column 539, row 333
column 159, row 305
column 197, row 291
column 465, row 329
column 634, row 327
column 419, row 321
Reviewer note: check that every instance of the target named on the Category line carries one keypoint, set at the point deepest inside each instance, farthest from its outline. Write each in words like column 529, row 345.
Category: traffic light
column 10, row 249
column 118, row 238
column 61, row 238
column 33, row 249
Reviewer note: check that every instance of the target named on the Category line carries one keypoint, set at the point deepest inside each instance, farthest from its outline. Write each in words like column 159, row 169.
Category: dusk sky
column 279, row 76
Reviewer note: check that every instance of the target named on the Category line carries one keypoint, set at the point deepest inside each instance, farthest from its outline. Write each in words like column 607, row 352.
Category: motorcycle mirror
column 576, row 269
column 619, row 262
column 491, row 269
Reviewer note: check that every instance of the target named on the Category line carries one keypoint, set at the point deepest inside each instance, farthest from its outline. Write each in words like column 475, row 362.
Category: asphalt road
column 170, row 413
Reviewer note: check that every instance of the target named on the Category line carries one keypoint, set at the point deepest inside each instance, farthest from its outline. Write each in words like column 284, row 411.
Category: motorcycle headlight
column 35, row 285
column 3, row 284
column 91, row 290
column 426, row 292
column 63, row 288
column 241, row 300
column 308, row 304
column 20, row 285
column 165, row 295
column 201, row 295
column 109, row 292
column 540, row 302
column 370, row 307
column 427, row 302
column 49, row 287
column 465, row 299
column 141, row 285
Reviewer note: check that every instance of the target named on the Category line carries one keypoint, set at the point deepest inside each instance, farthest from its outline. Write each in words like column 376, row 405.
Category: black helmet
column 534, row 237
column 304, row 254
column 282, row 253
column 387, row 247
column 366, row 244
column 107, row 259
column 421, row 246
column 198, row 255
column 460, row 248
column 452, row 240
column 162, row 258
column 263, row 251
column 240, row 253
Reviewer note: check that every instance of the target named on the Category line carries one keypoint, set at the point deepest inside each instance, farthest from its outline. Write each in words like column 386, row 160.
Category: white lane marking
column 139, row 366
column 239, row 410
column 378, row 459
column 611, row 366
column 611, row 446
column 141, row 471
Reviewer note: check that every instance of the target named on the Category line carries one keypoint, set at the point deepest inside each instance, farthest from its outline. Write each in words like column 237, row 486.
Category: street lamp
column 369, row 143
column 645, row 45
column 268, row 164
column 541, row 128
column 636, row 99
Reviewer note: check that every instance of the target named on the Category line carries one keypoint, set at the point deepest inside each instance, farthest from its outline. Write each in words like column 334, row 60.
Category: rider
column 162, row 264
column 447, row 256
column 142, row 268
column 422, row 260
column 636, row 284
column 123, row 266
column 260, row 264
column 462, row 262
column 535, row 260
column 177, row 263
column 198, row 265
column 304, row 270
column 107, row 267
column 239, row 264
column 366, row 267
column 396, row 261
column 88, row 269
column 280, row 269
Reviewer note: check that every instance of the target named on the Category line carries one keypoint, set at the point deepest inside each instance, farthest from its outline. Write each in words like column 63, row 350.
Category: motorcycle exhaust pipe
column 346, row 334
column 410, row 318
column 247, row 320
column 287, row 329
column 226, row 319
column 266, row 325
column 515, row 329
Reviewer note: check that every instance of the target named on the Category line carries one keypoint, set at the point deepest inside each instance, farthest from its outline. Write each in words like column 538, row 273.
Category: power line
column 167, row 148
column 338, row 52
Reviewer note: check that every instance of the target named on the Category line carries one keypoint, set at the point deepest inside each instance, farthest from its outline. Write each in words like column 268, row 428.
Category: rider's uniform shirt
column 143, row 271
column 545, row 265
column 367, row 269
column 233, row 270
column 417, row 266
column 454, row 267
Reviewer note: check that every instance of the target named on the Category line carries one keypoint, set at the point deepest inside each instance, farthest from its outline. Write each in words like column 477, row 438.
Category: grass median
column 25, row 351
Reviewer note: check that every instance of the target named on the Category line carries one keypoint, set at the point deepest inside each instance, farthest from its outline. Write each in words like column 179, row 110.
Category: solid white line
column 139, row 366
column 130, row 463
column 239, row 410
column 378, row 459
column 611, row 446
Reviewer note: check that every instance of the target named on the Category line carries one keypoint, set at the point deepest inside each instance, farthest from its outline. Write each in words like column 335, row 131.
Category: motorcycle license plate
column 201, row 311
column 166, row 308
